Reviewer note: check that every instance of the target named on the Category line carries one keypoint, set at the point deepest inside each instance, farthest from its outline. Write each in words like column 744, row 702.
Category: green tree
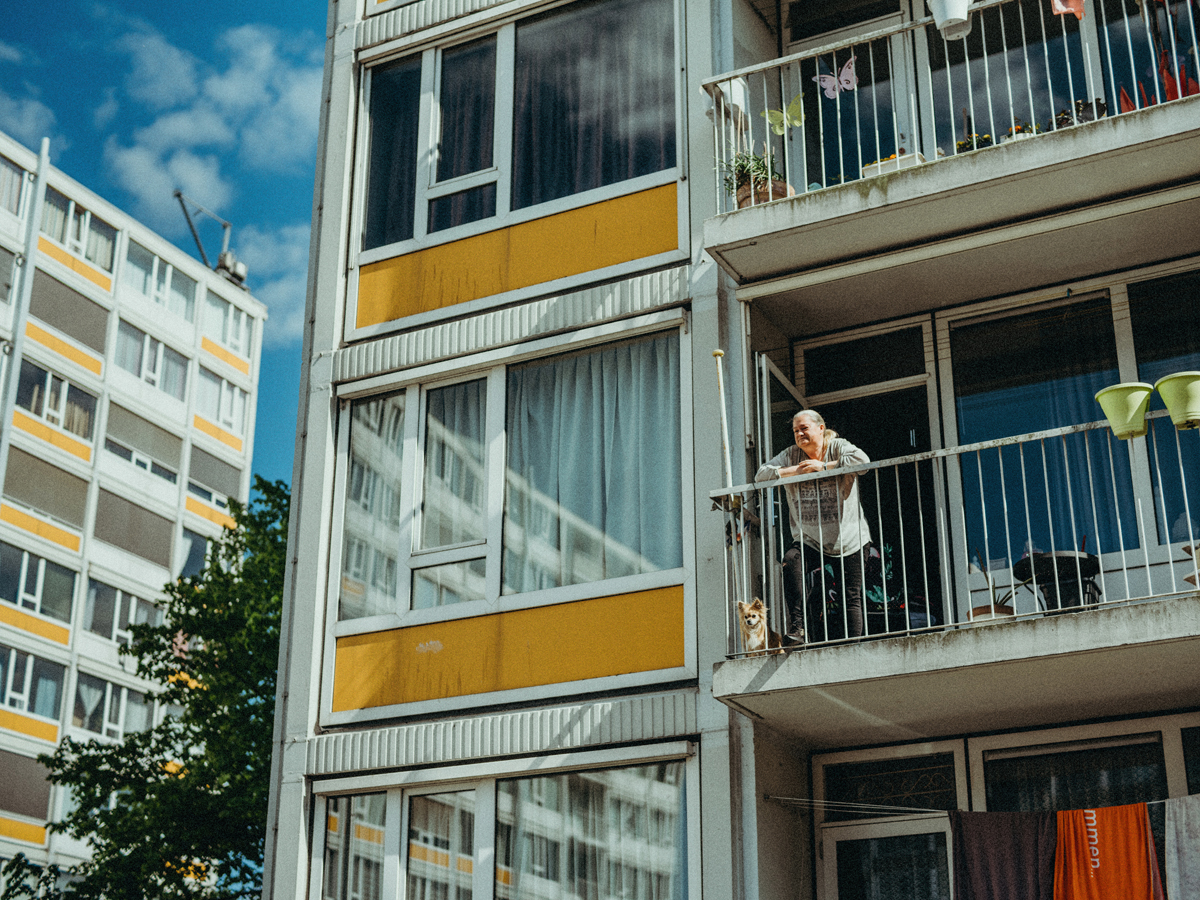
column 180, row 810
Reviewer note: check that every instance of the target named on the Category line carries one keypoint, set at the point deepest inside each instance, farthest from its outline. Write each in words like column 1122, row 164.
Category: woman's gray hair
column 810, row 413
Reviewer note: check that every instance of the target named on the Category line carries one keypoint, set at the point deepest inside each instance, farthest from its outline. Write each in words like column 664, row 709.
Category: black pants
column 831, row 607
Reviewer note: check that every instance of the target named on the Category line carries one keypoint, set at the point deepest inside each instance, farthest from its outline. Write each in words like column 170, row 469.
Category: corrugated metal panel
column 414, row 17
column 508, row 326
column 660, row 717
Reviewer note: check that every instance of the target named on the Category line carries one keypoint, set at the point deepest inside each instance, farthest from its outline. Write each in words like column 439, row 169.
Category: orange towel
column 1106, row 854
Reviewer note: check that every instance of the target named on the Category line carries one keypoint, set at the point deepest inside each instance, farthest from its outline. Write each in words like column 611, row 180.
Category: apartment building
column 526, row 510
column 133, row 429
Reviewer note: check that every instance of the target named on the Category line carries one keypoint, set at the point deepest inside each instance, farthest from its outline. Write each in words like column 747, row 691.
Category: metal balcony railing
column 901, row 96
column 1061, row 521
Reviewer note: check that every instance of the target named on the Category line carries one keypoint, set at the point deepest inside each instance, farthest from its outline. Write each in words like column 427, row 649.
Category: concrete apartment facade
column 132, row 430
column 525, row 505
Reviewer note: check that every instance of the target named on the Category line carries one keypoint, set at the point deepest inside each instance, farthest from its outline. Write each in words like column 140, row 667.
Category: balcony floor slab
column 1107, row 662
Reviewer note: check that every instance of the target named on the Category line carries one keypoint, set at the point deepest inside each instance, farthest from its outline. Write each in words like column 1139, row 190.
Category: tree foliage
column 180, row 810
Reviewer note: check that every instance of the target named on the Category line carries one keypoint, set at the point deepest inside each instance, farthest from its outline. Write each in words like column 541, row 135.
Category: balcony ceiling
column 1105, row 196
column 1102, row 663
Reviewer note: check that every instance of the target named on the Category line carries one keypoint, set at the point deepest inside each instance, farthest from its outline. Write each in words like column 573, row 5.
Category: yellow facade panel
column 78, row 266
column 587, row 239
column 22, row 831
column 63, row 349
column 232, row 359
column 49, row 435
column 219, row 433
column 639, row 632
column 34, row 525
column 33, row 625
column 14, row 721
column 205, row 511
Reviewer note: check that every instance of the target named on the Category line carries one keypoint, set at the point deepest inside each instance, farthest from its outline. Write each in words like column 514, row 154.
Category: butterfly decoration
column 792, row 116
column 846, row 80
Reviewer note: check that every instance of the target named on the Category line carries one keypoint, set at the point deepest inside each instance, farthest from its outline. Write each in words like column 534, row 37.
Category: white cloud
column 28, row 120
column 152, row 178
column 163, row 75
column 11, row 54
column 107, row 110
column 198, row 126
column 277, row 260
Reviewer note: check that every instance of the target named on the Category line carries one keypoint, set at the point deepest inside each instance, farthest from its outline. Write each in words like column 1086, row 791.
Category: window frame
column 227, row 399
column 151, row 371
column 160, row 291
column 78, row 226
column 427, row 187
column 8, row 694
column 27, row 602
column 482, row 778
column 492, row 366
column 67, row 384
column 125, row 601
column 114, row 703
column 233, row 319
column 141, row 461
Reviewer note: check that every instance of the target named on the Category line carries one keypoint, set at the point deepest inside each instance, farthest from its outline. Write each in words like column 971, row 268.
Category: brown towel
column 1003, row 855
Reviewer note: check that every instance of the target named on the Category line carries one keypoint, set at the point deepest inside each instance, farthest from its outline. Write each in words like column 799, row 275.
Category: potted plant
column 752, row 178
column 1125, row 406
column 951, row 17
column 1181, row 393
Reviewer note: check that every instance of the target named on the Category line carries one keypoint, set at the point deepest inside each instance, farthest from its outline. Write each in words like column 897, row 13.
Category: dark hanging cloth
column 1003, row 855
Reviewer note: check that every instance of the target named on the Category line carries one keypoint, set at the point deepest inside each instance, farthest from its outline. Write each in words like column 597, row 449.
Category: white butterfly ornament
column 846, row 80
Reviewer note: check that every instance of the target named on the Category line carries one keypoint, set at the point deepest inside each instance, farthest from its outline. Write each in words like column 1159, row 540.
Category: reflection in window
column 1165, row 315
column 455, row 495
column 594, row 481
column 1032, row 372
column 441, row 846
column 452, row 583
column 588, row 834
column 354, row 828
column 372, row 517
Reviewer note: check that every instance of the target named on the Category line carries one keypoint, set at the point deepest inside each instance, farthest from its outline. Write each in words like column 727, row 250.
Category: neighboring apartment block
column 133, row 429
column 512, row 665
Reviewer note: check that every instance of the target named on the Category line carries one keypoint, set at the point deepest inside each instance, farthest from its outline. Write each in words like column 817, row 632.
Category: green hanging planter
column 1125, row 406
column 1181, row 393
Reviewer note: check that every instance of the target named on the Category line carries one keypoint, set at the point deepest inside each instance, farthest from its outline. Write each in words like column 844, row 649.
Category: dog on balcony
column 756, row 636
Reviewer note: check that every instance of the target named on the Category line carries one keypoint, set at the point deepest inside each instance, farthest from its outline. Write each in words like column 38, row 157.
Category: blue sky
column 218, row 99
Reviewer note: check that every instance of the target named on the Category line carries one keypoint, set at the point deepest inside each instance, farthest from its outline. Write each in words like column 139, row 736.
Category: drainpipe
column 16, row 346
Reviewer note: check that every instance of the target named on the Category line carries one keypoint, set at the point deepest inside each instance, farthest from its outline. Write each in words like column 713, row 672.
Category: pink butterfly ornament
column 845, row 80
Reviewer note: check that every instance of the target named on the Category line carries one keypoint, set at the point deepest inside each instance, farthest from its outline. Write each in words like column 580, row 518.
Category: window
column 195, row 553
column 45, row 488
column 102, row 707
column 220, row 402
column 591, row 487
column 30, row 582
column 54, row 399
column 8, row 271
column 228, row 325
column 30, row 684
column 213, row 480
column 69, row 311
column 25, row 788
column 143, row 443
column 554, row 106
column 156, row 279
column 133, row 528
column 78, row 230
column 151, row 360
column 110, row 611
column 504, row 832
column 11, row 178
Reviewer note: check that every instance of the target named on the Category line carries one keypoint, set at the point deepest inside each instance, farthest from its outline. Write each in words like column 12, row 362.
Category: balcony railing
column 902, row 96
column 1060, row 521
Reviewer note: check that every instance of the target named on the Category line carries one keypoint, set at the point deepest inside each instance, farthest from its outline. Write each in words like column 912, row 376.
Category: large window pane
column 911, row 866
column 455, row 495
column 593, row 481
column 392, row 162
column 468, row 96
column 354, row 828
column 921, row 782
column 599, row 834
column 441, row 846
column 1033, row 372
column 1165, row 315
column 594, row 98
column 372, row 516
column 452, row 583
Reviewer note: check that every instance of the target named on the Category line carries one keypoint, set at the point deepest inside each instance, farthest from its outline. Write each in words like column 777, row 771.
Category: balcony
column 1017, row 582
column 922, row 167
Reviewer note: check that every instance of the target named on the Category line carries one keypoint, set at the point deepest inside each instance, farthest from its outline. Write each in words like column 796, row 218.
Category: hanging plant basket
column 1125, row 407
column 1181, row 393
column 951, row 18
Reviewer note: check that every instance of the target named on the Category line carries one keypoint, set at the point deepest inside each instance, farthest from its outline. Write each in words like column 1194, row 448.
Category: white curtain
column 594, row 479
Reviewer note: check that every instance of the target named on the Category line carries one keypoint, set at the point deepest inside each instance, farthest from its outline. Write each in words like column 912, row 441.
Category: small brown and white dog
column 756, row 636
